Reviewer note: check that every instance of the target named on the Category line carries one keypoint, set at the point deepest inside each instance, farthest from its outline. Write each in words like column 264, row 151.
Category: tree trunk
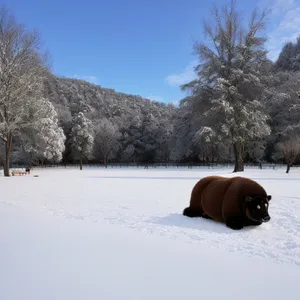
column 288, row 168
column 80, row 161
column 8, row 145
column 238, row 157
column 30, row 163
column 29, row 160
column 105, row 161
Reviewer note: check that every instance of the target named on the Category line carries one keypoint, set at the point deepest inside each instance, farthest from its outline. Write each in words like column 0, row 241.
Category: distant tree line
column 242, row 107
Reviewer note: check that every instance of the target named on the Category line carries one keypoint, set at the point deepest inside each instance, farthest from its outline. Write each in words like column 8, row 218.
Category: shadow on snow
column 199, row 224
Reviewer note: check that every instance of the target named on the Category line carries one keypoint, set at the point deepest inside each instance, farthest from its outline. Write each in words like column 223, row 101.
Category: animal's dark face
column 257, row 209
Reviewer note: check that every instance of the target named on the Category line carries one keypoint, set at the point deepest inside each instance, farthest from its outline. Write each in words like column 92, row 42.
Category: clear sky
column 137, row 46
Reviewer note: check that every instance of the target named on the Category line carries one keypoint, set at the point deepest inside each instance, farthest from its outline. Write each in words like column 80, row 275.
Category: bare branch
column 290, row 148
column 22, row 69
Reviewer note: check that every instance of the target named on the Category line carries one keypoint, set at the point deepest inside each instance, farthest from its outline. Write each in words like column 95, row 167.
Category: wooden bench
column 18, row 172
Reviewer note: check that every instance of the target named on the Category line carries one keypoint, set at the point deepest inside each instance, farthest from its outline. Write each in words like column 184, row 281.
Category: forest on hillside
column 242, row 107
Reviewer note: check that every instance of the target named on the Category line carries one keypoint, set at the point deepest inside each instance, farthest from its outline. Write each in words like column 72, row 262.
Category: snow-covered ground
column 120, row 234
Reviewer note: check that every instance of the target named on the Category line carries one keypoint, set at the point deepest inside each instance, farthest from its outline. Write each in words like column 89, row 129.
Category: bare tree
column 22, row 67
column 290, row 149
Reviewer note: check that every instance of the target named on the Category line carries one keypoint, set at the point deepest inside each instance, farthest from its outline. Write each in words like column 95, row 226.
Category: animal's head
column 257, row 208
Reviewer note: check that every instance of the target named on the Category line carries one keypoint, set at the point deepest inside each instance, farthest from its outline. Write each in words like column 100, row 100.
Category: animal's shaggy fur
column 236, row 201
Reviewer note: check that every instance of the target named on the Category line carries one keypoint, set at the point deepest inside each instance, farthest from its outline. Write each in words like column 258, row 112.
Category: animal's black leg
column 235, row 223
column 192, row 212
column 253, row 223
column 195, row 212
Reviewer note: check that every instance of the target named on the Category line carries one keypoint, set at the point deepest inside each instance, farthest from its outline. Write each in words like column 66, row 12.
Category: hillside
column 142, row 123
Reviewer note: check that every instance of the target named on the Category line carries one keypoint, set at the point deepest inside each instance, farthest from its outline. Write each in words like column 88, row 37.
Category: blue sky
column 137, row 47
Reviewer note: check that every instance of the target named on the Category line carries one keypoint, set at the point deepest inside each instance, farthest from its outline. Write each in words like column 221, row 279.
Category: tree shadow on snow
column 201, row 224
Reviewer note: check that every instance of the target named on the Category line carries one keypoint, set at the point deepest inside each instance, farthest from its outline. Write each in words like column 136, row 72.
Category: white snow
column 119, row 233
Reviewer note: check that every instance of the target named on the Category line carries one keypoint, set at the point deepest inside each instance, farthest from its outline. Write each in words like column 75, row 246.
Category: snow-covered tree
column 231, row 80
column 289, row 57
column 82, row 138
column 210, row 147
column 283, row 104
column 22, row 70
column 185, row 125
column 128, row 112
column 106, row 141
column 255, row 150
column 128, row 153
column 164, row 141
column 45, row 140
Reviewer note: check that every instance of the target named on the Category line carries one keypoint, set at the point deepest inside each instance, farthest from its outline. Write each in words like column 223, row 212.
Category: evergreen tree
column 45, row 140
column 289, row 57
column 283, row 104
column 82, row 139
column 231, row 81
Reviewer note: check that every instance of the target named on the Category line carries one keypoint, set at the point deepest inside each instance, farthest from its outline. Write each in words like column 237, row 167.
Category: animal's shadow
column 198, row 223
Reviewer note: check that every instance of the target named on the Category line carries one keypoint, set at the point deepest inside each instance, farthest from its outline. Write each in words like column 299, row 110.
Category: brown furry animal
column 236, row 201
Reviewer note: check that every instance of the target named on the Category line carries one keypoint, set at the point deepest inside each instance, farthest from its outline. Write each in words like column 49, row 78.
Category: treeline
column 120, row 127
column 242, row 107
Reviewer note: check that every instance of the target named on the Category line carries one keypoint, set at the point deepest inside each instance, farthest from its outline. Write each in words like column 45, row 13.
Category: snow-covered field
column 120, row 234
